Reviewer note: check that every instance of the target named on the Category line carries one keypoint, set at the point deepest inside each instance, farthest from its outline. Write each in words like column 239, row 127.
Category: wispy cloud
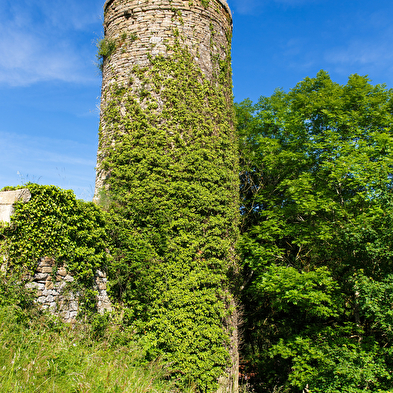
column 364, row 57
column 364, row 45
column 28, row 59
column 246, row 6
column 71, row 14
column 66, row 163
column 26, row 148
column 40, row 41
column 363, row 54
column 367, row 56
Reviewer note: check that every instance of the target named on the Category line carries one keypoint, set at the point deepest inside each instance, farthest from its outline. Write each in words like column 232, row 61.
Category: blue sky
column 50, row 86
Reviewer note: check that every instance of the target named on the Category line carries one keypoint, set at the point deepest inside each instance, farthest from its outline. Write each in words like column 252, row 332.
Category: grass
column 40, row 354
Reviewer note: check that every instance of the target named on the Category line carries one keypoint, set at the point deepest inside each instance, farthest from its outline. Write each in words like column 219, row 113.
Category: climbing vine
column 169, row 146
column 55, row 224
column 106, row 47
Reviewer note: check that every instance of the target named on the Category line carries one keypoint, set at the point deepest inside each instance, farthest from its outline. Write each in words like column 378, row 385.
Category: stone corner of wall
column 11, row 197
column 8, row 199
column 224, row 3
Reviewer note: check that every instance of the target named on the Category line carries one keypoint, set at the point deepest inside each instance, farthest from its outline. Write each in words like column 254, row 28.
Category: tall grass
column 40, row 354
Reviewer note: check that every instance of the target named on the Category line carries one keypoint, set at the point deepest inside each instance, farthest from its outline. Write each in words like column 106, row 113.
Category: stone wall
column 152, row 23
column 53, row 286
column 139, row 30
column 54, row 292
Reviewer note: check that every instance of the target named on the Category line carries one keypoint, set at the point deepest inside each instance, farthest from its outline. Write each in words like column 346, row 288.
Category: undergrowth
column 38, row 353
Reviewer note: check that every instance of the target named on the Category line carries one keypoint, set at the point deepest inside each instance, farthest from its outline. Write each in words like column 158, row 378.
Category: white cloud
column 366, row 57
column 78, row 15
column 27, row 59
column 21, row 147
column 246, row 6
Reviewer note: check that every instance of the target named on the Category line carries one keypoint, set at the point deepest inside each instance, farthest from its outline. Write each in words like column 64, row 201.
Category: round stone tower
column 135, row 30
column 167, row 162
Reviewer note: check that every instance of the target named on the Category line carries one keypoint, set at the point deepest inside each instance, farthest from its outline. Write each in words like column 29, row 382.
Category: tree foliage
column 316, row 192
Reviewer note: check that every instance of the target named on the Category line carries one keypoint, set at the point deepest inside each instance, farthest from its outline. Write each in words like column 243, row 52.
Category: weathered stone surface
column 49, row 285
column 205, row 31
column 11, row 197
column 62, row 272
column 41, row 299
column 48, row 292
column 8, row 199
column 40, row 276
column 143, row 30
column 73, row 305
column 6, row 212
column 45, row 262
column 53, row 295
column 101, row 274
column 32, row 285
column 52, row 292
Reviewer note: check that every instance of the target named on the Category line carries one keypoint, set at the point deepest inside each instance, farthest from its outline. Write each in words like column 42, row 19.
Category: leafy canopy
column 316, row 192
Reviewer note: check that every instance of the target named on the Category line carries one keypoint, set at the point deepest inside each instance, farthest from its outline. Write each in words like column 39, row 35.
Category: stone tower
column 167, row 145
column 142, row 28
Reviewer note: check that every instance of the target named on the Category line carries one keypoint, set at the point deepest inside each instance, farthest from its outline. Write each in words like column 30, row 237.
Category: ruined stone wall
column 52, row 284
column 55, row 294
column 8, row 199
column 152, row 23
column 143, row 28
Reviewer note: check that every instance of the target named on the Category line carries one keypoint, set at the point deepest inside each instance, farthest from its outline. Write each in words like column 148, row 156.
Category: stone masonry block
column 62, row 272
column 40, row 276
column 8, row 199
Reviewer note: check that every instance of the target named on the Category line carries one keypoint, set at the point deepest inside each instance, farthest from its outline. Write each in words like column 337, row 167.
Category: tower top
column 222, row 2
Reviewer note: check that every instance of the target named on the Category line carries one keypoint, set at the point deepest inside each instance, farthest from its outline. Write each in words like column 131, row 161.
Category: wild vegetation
column 316, row 246
column 39, row 353
column 317, row 210
column 57, row 225
column 173, row 203
column 168, row 239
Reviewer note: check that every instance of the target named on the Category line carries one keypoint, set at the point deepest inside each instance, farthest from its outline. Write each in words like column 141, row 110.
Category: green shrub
column 55, row 224
column 105, row 49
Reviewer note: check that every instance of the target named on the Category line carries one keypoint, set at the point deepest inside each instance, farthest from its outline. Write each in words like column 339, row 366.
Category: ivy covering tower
column 168, row 171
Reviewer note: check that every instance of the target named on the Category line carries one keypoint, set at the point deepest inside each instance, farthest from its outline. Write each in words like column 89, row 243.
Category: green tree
column 316, row 178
